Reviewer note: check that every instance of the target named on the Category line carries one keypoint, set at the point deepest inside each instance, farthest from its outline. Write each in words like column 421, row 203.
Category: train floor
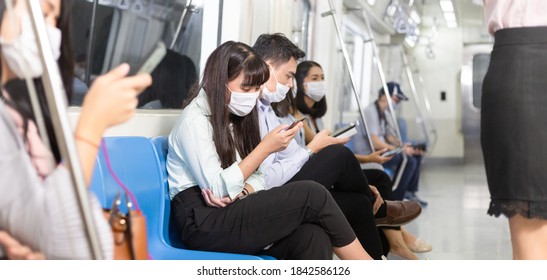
column 455, row 222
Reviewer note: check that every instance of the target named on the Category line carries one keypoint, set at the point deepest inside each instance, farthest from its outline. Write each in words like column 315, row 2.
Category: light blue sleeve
column 280, row 167
column 373, row 121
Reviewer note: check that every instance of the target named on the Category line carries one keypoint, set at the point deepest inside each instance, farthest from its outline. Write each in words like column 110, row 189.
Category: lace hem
column 510, row 208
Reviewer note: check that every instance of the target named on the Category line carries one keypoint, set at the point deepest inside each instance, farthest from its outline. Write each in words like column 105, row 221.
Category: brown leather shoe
column 399, row 213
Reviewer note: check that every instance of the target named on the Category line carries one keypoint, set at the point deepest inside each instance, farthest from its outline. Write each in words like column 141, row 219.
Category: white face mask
column 242, row 103
column 316, row 90
column 22, row 55
column 280, row 91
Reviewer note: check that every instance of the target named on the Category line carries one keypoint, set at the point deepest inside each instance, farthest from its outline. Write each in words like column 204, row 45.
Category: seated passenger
column 310, row 98
column 172, row 80
column 378, row 122
column 218, row 196
column 324, row 160
column 36, row 188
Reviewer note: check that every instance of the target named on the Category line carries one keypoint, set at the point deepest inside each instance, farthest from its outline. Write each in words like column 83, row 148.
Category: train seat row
column 139, row 162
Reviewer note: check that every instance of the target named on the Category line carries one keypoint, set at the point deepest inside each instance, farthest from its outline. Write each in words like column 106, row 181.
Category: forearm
column 379, row 144
column 363, row 158
column 88, row 139
column 252, row 161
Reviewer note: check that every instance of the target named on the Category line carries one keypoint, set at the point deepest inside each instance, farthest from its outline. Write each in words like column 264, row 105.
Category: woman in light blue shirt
column 217, row 190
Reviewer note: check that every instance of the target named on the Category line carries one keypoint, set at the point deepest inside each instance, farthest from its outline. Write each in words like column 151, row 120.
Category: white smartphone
column 345, row 131
column 152, row 59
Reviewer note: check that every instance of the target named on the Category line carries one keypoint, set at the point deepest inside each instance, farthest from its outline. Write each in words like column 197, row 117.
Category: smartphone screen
column 152, row 59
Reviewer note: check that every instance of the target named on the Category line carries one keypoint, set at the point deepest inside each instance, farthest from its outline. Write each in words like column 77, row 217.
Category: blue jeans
column 411, row 175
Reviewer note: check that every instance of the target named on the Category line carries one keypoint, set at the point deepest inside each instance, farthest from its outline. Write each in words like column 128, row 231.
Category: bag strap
column 118, row 181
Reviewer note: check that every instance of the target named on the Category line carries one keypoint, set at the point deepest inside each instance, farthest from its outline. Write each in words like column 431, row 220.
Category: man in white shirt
column 324, row 159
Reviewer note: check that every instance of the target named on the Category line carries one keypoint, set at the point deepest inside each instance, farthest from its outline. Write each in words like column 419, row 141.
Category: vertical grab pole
column 179, row 26
column 383, row 79
column 414, row 92
column 57, row 104
column 349, row 68
column 376, row 58
column 90, row 43
column 428, row 111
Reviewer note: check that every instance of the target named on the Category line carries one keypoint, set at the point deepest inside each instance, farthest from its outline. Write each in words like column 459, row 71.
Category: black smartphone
column 392, row 152
column 152, row 59
column 343, row 129
column 295, row 122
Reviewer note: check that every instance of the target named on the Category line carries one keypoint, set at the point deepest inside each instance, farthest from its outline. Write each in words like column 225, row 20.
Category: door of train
column 475, row 65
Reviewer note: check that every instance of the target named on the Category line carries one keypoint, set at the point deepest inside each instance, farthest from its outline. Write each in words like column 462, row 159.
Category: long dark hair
column 19, row 95
column 172, row 81
column 319, row 108
column 225, row 64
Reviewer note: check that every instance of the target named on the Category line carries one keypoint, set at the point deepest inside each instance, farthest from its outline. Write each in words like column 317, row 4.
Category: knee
column 307, row 189
column 311, row 242
column 339, row 151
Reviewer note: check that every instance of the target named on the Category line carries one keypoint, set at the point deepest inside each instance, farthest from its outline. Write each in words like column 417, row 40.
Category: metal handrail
column 349, row 67
column 410, row 78
column 187, row 7
column 57, row 103
column 91, row 43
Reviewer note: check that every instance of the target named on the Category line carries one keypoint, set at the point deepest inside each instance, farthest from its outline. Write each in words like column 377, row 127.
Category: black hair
column 225, row 64
column 172, row 79
column 286, row 106
column 277, row 49
column 319, row 109
column 18, row 91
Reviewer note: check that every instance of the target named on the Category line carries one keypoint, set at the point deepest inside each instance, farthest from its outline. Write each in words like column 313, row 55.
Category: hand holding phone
column 393, row 152
column 152, row 59
column 295, row 122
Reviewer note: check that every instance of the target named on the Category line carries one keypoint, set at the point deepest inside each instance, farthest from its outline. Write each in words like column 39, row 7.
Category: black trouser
column 287, row 216
column 383, row 183
column 336, row 168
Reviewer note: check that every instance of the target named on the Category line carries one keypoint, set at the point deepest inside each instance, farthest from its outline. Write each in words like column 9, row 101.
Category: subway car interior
column 437, row 51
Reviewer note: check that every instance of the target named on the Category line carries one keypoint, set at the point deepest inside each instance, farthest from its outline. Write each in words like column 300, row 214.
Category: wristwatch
column 310, row 152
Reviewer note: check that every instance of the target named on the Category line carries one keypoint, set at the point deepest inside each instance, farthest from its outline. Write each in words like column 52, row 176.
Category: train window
column 106, row 33
column 300, row 24
column 480, row 66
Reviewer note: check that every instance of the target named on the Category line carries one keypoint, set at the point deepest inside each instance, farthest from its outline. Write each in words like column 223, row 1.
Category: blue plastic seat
column 141, row 168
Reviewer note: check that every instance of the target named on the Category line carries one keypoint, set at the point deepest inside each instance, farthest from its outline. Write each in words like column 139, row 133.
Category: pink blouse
column 40, row 155
column 500, row 14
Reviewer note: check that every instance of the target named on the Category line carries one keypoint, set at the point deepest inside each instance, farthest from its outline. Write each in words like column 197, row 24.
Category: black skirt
column 514, row 123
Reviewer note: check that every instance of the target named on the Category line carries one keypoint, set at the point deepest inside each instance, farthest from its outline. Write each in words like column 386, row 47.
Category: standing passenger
column 514, row 131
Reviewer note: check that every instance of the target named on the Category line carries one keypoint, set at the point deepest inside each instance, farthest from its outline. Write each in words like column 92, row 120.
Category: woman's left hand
column 213, row 201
